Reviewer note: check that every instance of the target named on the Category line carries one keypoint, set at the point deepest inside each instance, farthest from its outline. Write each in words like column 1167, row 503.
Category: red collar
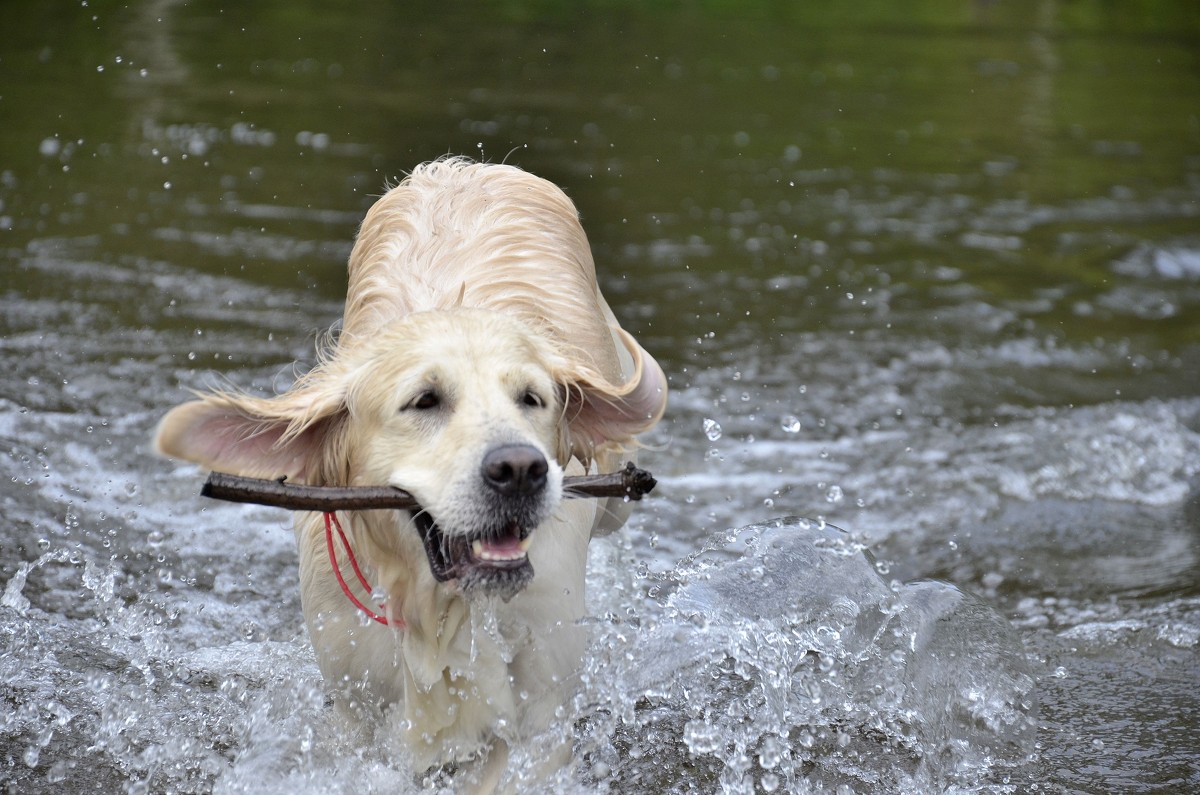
column 331, row 521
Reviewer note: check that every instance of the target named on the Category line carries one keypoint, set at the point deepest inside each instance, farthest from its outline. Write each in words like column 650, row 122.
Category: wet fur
column 475, row 281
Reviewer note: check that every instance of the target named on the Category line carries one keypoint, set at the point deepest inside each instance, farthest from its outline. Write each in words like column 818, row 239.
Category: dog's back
column 458, row 233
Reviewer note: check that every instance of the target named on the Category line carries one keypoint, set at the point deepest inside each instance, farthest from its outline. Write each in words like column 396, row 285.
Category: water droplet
column 769, row 753
column 155, row 538
column 712, row 429
column 790, row 423
column 834, row 495
column 701, row 737
column 59, row 771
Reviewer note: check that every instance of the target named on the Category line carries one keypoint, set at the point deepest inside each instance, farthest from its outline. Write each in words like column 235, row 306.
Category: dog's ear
column 599, row 414
column 253, row 437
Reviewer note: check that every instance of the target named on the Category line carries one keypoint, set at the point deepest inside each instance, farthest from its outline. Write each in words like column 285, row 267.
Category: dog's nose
column 515, row 469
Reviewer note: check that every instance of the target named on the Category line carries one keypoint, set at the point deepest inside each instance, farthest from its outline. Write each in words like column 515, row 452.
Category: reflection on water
column 931, row 275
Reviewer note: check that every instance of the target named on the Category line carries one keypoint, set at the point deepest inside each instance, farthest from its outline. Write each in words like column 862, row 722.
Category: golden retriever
column 477, row 363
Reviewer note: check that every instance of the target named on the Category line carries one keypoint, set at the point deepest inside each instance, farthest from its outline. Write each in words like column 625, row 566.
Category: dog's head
column 462, row 409
column 471, row 411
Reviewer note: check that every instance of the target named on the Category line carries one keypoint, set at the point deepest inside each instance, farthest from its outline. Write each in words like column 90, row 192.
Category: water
column 788, row 661
column 930, row 277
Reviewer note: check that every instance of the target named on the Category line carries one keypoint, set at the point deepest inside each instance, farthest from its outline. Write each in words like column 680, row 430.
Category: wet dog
column 476, row 364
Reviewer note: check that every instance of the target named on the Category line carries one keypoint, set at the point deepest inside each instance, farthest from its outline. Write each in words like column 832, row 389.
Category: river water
column 931, row 276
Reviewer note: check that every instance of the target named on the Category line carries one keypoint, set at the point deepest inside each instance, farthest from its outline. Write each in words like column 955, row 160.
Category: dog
column 476, row 365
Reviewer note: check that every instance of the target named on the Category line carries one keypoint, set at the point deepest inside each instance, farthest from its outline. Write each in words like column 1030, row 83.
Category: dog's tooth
column 525, row 543
column 477, row 548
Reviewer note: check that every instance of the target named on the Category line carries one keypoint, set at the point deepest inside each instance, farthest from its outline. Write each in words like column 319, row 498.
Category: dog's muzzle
column 493, row 558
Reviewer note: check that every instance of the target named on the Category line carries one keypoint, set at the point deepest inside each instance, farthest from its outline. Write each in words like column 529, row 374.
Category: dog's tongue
column 500, row 549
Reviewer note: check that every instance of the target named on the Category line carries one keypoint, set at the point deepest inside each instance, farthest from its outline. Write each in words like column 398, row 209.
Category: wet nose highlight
column 515, row 469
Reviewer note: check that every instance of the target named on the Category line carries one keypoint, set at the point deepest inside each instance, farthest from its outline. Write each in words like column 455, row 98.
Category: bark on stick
column 630, row 482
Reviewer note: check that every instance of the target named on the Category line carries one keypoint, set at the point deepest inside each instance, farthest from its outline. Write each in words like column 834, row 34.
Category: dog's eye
column 532, row 400
column 426, row 400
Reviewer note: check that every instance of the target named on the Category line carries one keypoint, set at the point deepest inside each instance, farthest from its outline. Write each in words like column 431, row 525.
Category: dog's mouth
column 494, row 561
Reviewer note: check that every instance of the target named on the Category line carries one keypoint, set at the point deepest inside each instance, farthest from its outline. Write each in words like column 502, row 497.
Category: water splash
column 794, row 666
column 13, row 592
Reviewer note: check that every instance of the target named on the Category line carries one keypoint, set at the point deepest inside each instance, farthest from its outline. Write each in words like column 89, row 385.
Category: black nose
column 515, row 469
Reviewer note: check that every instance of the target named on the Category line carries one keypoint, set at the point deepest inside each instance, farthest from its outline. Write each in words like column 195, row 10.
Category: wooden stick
column 630, row 482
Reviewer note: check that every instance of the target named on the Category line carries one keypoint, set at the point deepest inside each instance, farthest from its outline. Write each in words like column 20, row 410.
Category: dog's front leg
column 484, row 776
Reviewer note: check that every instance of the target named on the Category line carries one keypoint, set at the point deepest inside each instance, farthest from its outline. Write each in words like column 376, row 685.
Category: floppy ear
column 254, row 437
column 599, row 414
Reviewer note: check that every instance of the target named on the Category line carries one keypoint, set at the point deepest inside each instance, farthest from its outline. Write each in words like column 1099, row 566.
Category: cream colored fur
column 475, row 281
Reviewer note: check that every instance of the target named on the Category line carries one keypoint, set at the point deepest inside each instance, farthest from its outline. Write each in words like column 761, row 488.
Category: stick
column 630, row 482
